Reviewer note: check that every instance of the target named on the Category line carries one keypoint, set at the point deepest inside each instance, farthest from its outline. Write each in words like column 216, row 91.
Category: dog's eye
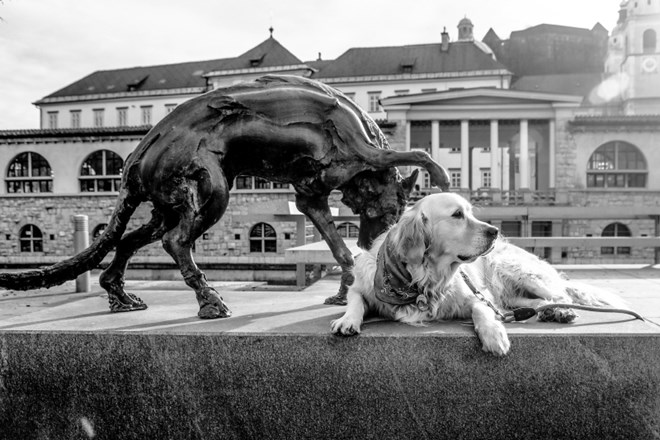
column 457, row 214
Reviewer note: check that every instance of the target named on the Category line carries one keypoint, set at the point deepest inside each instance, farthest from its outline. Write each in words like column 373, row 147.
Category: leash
column 524, row 313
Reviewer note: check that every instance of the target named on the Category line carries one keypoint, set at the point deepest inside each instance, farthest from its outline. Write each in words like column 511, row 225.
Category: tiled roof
column 74, row 132
column 143, row 78
column 270, row 53
column 461, row 56
column 552, row 29
column 578, row 84
column 175, row 76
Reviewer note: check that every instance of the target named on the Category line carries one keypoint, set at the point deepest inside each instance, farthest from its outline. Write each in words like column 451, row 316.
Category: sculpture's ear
column 411, row 237
column 409, row 182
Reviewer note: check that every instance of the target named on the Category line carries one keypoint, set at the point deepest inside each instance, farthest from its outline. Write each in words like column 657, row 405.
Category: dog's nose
column 492, row 232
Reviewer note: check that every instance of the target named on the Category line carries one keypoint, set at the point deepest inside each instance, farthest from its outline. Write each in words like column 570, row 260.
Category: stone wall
column 227, row 241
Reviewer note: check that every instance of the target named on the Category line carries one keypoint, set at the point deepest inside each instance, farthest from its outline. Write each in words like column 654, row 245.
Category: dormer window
column 255, row 62
column 407, row 66
column 136, row 84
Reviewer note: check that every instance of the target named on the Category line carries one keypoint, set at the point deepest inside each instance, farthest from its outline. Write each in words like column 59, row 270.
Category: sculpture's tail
column 86, row 260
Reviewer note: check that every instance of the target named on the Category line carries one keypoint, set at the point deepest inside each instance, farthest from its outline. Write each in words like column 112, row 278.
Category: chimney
column 445, row 40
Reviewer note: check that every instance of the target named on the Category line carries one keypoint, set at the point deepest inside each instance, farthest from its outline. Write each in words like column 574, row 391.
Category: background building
column 552, row 132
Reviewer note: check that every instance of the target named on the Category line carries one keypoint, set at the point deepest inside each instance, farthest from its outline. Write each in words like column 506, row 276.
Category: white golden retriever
column 415, row 273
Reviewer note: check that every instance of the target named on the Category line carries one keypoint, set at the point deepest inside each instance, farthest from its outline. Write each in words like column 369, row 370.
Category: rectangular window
column 244, row 182
column 52, row 119
column 146, row 114
column 260, row 183
column 75, row 118
column 485, row 178
column 541, row 229
column 455, row 176
column 374, row 102
column 350, row 96
column 122, row 116
column 98, row 117
column 401, row 92
column 169, row 108
column 511, row 228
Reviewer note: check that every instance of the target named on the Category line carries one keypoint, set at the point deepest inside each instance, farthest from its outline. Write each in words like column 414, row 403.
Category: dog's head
column 439, row 233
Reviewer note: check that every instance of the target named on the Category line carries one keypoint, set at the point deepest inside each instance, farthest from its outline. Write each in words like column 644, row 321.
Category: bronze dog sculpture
column 283, row 128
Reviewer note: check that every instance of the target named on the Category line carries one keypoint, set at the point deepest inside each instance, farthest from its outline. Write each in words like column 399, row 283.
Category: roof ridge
column 151, row 66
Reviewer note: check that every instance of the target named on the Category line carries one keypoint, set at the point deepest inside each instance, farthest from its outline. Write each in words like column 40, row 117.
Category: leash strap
column 524, row 313
column 480, row 296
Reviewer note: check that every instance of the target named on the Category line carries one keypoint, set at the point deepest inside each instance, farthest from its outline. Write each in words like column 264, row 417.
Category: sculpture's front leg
column 317, row 209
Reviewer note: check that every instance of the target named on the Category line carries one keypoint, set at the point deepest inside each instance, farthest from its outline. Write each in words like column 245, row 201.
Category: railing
column 498, row 197
column 319, row 253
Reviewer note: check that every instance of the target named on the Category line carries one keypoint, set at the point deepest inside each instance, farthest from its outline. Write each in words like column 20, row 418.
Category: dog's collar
column 392, row 282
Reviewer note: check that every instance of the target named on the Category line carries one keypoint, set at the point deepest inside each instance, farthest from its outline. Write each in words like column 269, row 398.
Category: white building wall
column 360, row 90
column 65, row 158
column 134, row 104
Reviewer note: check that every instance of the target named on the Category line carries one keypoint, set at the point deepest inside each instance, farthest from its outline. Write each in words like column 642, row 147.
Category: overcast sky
column 48, row 44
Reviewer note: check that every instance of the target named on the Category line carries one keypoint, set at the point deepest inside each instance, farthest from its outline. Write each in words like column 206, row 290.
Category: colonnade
column 521, row 145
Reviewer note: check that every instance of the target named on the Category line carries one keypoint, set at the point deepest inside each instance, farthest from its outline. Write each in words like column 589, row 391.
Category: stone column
column 465, row 154
column 435, row 140
column 495, row 166
column 523, row 164
column 408, row 135
column 80, row 243
column 435, row 148
column 552, row 149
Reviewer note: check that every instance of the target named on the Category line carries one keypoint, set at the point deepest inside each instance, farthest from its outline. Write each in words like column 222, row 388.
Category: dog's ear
column 408, row 183
column 412, row 236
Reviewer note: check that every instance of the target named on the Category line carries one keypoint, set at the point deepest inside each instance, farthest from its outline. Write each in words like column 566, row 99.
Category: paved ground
column 258, row 307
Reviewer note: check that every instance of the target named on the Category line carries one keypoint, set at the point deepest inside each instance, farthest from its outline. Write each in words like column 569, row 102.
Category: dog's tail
column 587, row 295
column 84, row 261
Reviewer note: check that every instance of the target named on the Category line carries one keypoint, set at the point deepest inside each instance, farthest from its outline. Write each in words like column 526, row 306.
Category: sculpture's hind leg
column 112, row 278
column 178, row 242
column 318, row 211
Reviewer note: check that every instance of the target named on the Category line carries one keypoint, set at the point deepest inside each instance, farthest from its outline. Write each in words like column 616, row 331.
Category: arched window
column 616, row 230
column 29, row 173
column 31, row 239
column 101, row 172
column 98, row 230
column 348, row 230
column 617, row 164
column 263, row 238
column 649, row 41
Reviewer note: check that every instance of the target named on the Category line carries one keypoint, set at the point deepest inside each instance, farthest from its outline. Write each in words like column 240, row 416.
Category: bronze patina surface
column 283, row 128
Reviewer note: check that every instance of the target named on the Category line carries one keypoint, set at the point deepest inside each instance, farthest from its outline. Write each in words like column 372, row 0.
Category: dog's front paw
column 494, row 339
column 561, row 315
column 346, row 326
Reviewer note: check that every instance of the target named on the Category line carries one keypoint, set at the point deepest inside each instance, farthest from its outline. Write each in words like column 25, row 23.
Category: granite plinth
column 73, row 370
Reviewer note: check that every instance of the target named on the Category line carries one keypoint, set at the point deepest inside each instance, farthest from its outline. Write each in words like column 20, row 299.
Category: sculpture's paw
column 338, row 300
column 211, row 305
column 494, row 339
column 561, row 315
column 127, row 302
column 346, row 326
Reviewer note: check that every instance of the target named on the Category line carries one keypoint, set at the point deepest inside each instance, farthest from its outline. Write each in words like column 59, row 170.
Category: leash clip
column 520, row 314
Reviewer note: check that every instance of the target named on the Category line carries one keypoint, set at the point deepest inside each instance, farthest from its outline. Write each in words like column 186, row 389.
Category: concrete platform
column 70, row 369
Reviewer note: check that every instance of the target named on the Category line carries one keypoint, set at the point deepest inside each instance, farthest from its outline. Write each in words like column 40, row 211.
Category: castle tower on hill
column 634, row 53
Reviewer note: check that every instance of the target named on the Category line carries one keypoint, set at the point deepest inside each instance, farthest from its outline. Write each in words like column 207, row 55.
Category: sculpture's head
column 379, row 198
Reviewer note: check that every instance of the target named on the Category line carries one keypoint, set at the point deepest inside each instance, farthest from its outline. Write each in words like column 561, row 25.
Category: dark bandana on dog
column 392, row 282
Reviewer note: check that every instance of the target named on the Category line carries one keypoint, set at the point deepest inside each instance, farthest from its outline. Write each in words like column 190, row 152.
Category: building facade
column 577, row 146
